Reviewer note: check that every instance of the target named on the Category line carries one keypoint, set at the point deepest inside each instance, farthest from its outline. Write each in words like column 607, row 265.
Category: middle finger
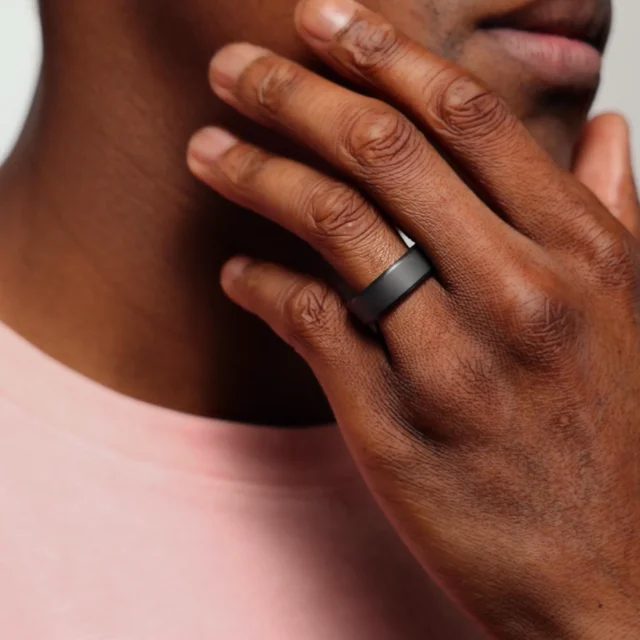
column 378, row 148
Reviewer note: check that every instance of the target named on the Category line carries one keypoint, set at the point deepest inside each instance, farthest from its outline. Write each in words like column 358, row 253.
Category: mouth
column 561, row 41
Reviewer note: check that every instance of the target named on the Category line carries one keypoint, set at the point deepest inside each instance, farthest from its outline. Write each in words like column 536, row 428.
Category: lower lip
column 554, row 59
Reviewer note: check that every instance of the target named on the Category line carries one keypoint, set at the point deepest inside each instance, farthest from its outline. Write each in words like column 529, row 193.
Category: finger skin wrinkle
column 469, row 110
column 242, row 165
column 381, row 147
column 274, row 80
column 366, row 48
column 340, row 216
column 309, row 313
column 541, row 327
column 377, row 137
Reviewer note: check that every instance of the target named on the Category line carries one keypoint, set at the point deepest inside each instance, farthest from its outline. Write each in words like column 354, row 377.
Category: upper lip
column 585, row 20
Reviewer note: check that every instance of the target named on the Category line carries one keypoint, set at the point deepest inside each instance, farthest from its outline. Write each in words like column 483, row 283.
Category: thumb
column 603, row 163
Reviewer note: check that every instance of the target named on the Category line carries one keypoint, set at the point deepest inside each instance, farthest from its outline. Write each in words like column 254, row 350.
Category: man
column 121, row 519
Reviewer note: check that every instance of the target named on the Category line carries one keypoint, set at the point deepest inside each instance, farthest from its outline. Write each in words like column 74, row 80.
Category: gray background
column 20, row 56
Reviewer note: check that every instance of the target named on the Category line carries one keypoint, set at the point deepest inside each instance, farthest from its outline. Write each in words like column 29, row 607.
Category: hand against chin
column 496, row 414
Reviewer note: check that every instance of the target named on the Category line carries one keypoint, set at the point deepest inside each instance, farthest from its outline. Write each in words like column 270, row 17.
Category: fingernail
column 322, row 19
column 209, row 144
column 233, row 270
column 229, row 63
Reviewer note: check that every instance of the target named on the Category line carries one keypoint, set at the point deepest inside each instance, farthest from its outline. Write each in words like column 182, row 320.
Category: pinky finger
column 309, row 316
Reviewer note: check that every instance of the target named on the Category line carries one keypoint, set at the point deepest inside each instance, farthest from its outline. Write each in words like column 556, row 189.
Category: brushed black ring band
column 393, row 286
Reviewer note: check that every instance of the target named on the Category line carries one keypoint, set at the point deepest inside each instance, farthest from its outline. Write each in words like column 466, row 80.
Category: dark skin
column 109, row 249
column 499, row 426
column 499, row 422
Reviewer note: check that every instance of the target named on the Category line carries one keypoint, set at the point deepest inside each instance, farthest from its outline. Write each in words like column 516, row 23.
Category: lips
column 560, row 42
column 587, row 21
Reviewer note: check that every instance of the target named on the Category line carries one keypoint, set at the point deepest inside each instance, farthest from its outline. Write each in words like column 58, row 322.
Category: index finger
column 478, row 131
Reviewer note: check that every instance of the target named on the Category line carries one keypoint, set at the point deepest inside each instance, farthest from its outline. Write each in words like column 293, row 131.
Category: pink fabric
column 123, row 521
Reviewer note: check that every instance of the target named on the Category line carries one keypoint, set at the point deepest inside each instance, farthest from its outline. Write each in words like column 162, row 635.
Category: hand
column 499, row 424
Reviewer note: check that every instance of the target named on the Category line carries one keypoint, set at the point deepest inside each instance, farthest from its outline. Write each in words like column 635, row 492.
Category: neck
column 110, row 251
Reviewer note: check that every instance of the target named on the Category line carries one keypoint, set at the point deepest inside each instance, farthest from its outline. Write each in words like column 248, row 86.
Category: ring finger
column 335, row 219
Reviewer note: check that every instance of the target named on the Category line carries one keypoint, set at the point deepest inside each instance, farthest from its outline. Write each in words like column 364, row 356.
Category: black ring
column 393, row 286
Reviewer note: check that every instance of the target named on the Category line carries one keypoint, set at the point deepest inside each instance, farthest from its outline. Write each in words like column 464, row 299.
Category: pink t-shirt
column 124, row 521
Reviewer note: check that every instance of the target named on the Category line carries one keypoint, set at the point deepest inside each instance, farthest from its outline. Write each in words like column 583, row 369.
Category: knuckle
column 466, row 108
column 242, row 164
column 542, row 323
column 577, row 206
column 606, row 254
column 368, row 46
column 340, row 213
column 308, row 311
column 379, row 137
column 613, row 259
column 276, row 81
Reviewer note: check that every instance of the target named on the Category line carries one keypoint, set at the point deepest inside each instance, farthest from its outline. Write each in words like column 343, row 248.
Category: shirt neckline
column 58, row 398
